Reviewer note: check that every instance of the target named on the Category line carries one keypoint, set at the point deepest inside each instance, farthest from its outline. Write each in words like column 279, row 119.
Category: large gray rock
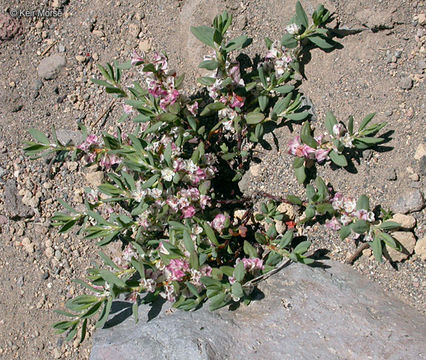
column 14, row 206
column 306, row 313
column 409, row 201
column 50, row 67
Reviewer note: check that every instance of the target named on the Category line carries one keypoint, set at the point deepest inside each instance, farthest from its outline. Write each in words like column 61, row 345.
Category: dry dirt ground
column 380, row 68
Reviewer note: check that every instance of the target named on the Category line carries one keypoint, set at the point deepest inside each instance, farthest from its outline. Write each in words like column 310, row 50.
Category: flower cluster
column 297, row 148
column 92, row 146
column 277, row 59
column 160, row 81
column 346, row 207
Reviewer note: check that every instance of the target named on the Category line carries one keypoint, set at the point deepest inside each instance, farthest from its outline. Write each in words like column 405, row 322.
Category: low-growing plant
column 171, row 197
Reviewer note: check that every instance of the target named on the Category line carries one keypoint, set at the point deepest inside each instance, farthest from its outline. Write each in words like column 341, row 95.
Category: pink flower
column 295, row 147
column 108, row 160
column 234, row 73
column 160, row 61
column 333, row 224
column 204, row 201
column 338, row 130
column 237, row 101
column 206, row 270
column 252, row 264
column 193, row 109
column 137, row 59
column 218, row 222
column 88, row 142
column 188, row 212
column 321, row 154
column 177, row 269
column 127, row 109
column 169, row 293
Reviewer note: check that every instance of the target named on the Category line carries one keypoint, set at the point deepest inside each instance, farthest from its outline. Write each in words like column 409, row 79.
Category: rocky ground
column 46, row 66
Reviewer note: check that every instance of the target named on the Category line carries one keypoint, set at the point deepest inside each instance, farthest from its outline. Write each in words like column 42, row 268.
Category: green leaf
column 188, row 242
column 192, row 289
column 360, row 226
column 338, row 159
column 306, row 136
column 81, row 302
column 389, row 225
column 151, row 181
column 289, row 41
column 217, row 301
column 300, row 174
column 238, row 43
column 302, row 247
column 104, row 314
column 286, row 239
column 262, row 76
column 370, row 140
column 363, row 203
column 330, row 121
column 351, row 125
column 263, row 102
column 39, row 136
column 299, row 116
column 92, row 311
column 207, row 81
column 294, row 200
column 249, row 250
column 209, row 64
column 168, row 117
column 135, row 311
column 205, row 34
column 111, row 278
column 321, row 42
column 301, row 18
column 138, row 265
column 282, row 104
column 390, row 241
column 254, row 118
column 365, row 121
column 344, row 232
column 309, row 212
column 212, row 108
column 322, row 188
column 237, row 290
column 285, row 89
column 239, row 272
column 210, row 233
column 376, row 245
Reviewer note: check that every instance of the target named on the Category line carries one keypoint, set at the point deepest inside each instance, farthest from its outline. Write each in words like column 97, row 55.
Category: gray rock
column 409, row 201
column 66, row 136
column 375, row 20
column 37, row 85
column 14, row 206
column 422, row 166
column 391, row 174
column 50, row 67
column 406, row 83
column 306, row 313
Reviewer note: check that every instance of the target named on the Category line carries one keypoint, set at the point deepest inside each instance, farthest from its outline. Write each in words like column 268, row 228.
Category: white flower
column 292, row 29
column 155, row 193
column 345, row 220
column 349, row 205
column 347, row 140
column 370, row 216
column 167, row 174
